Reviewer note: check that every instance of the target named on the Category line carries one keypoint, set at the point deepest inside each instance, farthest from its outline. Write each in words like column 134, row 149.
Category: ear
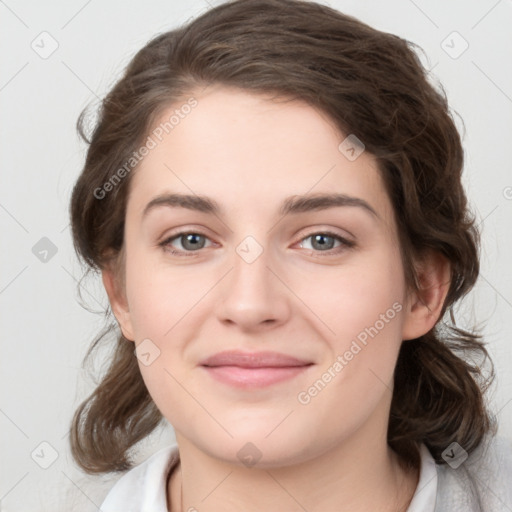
column 118, row 302
column 424, row 306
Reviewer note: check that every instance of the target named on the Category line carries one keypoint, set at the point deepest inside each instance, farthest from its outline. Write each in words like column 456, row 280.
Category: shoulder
column 143, row 488
column 480, row 482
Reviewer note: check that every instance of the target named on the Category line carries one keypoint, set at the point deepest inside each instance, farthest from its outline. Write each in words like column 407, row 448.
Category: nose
column 253, row 296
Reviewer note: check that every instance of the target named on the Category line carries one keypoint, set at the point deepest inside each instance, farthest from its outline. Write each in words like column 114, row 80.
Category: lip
column 253, row 359
column 249, row 370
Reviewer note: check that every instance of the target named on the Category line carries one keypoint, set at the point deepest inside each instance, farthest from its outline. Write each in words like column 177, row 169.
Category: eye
column 324, row 242
column 189, row 241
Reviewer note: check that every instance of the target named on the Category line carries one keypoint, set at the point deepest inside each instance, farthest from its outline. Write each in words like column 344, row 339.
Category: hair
column 371, row 84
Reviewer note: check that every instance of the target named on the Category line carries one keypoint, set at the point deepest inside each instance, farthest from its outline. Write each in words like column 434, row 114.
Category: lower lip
column 253, row 377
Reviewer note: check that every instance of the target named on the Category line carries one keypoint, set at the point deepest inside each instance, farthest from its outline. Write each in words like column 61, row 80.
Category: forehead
column 249, row 149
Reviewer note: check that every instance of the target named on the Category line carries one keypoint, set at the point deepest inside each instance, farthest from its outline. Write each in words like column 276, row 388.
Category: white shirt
column 483, row 483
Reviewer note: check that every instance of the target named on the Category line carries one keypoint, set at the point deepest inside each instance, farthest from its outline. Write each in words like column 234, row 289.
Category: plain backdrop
column 56, row 58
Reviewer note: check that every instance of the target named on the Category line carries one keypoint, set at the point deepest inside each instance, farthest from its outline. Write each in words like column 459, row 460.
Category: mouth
column 254, row 377
column 254, row 370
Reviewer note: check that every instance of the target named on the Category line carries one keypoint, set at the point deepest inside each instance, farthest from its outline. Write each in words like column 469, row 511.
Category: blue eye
column 323, row 242
column 190, row 241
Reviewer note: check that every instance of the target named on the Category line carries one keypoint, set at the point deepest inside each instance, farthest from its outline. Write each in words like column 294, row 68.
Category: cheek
column 158, row 296
column 364, row 307
column 359, row 295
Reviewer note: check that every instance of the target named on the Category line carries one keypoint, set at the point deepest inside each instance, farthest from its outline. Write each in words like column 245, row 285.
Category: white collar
column 144, row 487
column 424, row 498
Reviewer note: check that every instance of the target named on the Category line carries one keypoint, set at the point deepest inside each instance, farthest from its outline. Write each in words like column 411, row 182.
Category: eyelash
column 346, row 244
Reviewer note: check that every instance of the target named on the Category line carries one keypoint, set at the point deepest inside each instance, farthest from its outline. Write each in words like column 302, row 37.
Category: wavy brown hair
column 371, row 84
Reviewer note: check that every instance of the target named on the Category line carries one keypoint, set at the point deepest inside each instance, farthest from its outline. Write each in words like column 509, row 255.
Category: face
column 267, row 271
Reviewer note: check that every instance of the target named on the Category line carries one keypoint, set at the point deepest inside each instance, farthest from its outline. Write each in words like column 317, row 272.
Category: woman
column 273, row 197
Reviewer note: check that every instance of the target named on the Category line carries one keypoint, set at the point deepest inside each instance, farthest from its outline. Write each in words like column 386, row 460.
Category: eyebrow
column 293, row 204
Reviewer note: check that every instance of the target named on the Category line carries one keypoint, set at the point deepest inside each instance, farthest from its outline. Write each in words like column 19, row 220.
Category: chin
column 260, row 445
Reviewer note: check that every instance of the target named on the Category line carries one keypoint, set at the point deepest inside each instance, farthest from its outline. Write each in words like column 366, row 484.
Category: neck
column 360, row 474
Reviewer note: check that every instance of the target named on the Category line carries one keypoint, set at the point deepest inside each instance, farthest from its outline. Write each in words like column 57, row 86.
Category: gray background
column 45, row 329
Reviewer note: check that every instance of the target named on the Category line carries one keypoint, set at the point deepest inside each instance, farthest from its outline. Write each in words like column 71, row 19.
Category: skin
column 249, row 153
